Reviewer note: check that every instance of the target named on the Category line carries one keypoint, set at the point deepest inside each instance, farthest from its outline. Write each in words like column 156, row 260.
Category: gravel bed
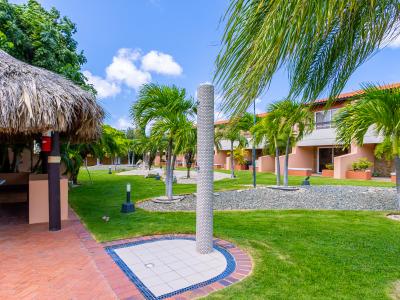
column 314, row 197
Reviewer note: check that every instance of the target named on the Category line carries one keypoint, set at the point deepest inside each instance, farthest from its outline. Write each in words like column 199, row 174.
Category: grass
column 298, row 254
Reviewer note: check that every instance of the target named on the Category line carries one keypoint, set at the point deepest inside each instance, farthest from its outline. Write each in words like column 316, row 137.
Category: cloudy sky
column 129, row 43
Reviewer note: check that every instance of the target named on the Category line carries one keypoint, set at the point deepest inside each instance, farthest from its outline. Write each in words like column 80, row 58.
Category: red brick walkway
column 69, row 264
column 38, row 264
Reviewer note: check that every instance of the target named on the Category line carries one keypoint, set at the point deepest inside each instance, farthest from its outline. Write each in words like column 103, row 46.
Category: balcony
column 323, row 125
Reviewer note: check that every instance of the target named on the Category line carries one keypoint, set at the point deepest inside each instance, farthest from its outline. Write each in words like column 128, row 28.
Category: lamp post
column 128, row 206
column 205, row 161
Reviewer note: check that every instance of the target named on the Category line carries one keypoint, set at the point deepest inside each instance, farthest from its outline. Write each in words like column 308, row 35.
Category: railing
column 322, row 125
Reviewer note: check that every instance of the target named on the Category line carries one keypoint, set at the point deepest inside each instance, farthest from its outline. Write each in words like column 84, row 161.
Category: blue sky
column 128, row 43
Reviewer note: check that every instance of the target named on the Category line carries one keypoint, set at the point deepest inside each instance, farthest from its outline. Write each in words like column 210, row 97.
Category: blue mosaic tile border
column 231, row 266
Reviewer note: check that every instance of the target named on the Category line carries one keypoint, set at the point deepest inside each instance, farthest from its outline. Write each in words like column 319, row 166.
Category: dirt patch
column 394, row 217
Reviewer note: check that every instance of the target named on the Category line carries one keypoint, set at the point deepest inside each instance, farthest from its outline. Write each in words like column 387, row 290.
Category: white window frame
column 328, row 112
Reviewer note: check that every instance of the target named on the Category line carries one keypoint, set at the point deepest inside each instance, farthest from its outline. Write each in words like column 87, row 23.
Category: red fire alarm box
column 46, row 142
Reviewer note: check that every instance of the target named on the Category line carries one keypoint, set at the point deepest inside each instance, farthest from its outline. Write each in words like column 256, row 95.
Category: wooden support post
column 54, row 184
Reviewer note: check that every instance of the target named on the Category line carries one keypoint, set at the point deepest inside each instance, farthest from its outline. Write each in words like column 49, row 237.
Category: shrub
column 361, row 165
column 329, row 166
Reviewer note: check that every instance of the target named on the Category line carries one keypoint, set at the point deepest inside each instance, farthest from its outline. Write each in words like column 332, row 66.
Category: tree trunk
column 286, row 167
column 168, row 166
column 232, row 162
column 397, row 169
column 278, row 165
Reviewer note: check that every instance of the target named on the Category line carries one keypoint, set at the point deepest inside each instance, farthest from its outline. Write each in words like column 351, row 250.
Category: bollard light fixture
column 128, row 206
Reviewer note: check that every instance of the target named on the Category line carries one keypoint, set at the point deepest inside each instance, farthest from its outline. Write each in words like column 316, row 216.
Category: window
column 323, row 119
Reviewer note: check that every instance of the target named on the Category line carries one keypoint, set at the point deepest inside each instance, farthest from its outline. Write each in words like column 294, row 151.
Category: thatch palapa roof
column 34, row 100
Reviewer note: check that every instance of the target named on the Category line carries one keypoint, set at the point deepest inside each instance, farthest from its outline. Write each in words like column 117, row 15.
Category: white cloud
column 103, row 87
column 123, row 69
column 160, row 63
column 123, row 123
column 394, row 43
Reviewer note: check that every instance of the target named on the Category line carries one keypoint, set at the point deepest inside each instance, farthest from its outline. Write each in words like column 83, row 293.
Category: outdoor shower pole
column 205, row 162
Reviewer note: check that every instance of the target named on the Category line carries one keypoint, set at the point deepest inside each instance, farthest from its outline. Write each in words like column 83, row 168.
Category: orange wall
column 301, row 157
column 266, row 163
column 344, row 163
column 220, row 158
column 39, row 198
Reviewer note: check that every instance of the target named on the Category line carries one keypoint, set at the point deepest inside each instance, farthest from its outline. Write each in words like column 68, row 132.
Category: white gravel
column 314, row 197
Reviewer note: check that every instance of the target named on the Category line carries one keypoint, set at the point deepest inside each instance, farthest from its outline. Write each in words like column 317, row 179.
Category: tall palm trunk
column 278, row 164
column 232, row 162
column 170, row 170
column 286, row 167
column 397, row 169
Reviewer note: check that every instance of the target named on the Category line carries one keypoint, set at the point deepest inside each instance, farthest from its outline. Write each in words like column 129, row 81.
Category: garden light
column 128, row 206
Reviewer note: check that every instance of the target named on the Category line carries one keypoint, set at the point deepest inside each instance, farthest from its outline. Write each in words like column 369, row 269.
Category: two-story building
column 319, row 148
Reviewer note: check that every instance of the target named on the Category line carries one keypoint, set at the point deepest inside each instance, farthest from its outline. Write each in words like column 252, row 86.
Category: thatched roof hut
column 35, row 100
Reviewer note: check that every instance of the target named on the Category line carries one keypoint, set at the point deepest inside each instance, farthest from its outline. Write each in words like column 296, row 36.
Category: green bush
column 329, row 166
column 361, row 165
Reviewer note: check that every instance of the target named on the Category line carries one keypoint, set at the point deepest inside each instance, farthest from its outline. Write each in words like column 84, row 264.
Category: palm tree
column 321, row 43
column 166, row 110
column 295, row 121
column 233, row 132
column 376, row 108
column 186, row 144
column 267, row 132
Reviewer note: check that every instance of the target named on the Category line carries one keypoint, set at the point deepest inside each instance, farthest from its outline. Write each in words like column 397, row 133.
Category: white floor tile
column 179, row 284
column 170, row 276
column 176, row 264
column 161, row 289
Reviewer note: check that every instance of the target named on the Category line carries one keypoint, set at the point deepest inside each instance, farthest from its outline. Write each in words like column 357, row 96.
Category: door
column 325, row 156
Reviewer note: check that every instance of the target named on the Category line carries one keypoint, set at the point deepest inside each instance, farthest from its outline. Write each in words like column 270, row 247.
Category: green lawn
column 298, row 254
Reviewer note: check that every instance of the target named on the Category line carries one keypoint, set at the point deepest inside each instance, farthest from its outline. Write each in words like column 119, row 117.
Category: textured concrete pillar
column 205, row 161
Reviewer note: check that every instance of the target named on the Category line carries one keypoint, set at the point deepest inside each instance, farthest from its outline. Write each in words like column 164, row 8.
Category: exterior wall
column 343, row 163
column 220, row 159
column 39, row 198
column 266, row 163
column 327, row 136
column 300, row 158
column 227, row 163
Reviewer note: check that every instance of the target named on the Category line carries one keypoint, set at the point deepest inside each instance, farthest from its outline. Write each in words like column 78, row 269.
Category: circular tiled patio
column 169, row 266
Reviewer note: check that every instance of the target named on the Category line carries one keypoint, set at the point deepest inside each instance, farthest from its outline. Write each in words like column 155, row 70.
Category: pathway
column 180, row 175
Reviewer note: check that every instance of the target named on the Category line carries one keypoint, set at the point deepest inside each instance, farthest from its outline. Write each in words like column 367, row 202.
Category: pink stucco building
column 316, row 150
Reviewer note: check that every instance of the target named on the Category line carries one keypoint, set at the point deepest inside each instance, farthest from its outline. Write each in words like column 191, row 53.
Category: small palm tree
column 166, row 110
column 377, row 108
column 266, row 133
column 295, row 121
column 186, row 144
column 287, row 121
column 233, row 132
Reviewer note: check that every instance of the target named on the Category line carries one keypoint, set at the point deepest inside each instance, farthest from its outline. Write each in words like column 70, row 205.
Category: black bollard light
column 109, row 170
column 128, row 206
column 306, row 182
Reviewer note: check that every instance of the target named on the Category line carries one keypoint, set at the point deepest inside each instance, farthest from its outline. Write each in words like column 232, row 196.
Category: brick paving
column 70, row 264
column 38, row 264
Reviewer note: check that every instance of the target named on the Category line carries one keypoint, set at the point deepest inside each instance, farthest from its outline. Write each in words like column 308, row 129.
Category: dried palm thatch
column 34, row 100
